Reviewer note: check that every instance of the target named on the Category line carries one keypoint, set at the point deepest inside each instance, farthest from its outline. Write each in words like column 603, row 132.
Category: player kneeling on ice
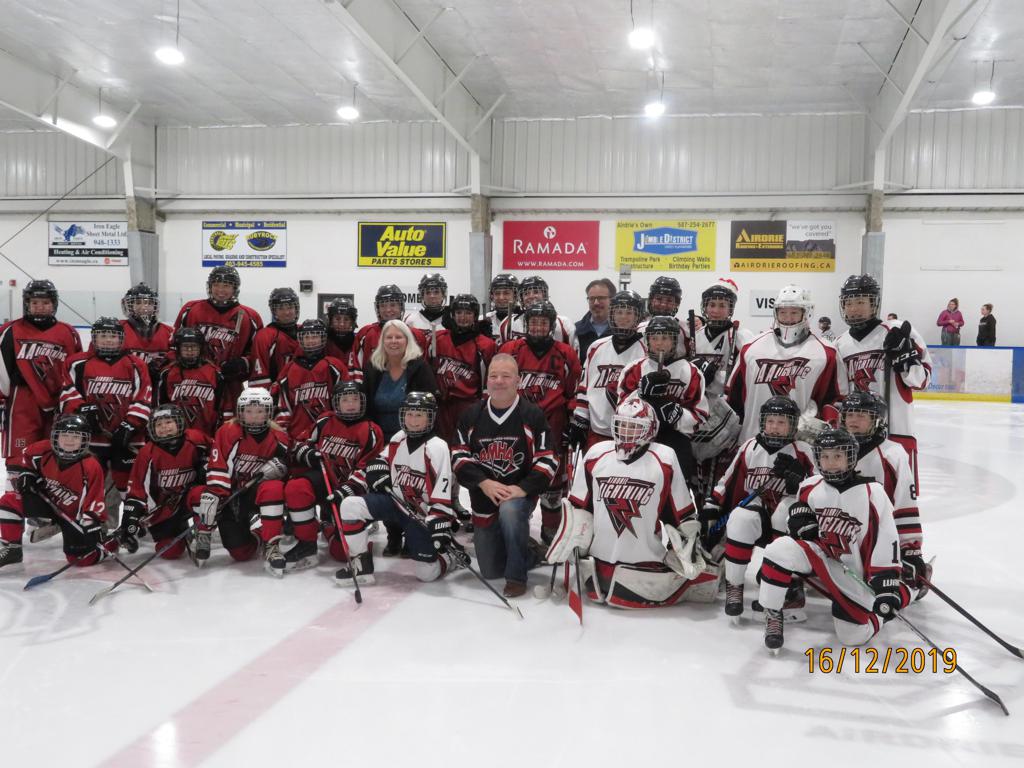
column 57, row 480
column 773, row 464
column 166, row 483
column 622, row 496
column 342, row 444
column 842, row 536
column 249, row 454
column 411, row 486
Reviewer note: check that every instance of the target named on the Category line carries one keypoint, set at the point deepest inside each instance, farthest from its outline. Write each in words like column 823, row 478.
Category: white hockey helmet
column 634, row 426
column 793, row 296
column 254, row 396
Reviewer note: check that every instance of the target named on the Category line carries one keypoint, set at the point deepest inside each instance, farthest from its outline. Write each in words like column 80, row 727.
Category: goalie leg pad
column 646, row 585
column 575, row 531
column 589, row 578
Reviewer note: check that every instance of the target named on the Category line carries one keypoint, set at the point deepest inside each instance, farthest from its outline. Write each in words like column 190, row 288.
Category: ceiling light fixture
column 349, row 112
column 168, row 54
column 101, row 120
column 656, row 108
column 985, row 96
column 641, row 38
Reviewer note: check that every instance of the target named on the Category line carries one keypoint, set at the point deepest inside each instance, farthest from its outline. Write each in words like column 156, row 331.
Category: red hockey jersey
column 161, row 479
column 461, row 369
column 33, row 360
column 304, row 392
column 347, row 449
column 549, row 381
column 272, row 349
column 685, row 387
column 199, row 391
column 152, row 349
column 76, row 491
column 237, row 456
column 120, row 388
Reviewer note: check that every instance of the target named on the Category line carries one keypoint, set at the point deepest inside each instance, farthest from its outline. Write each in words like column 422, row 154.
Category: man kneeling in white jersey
column 627, row 490
column 843, row 540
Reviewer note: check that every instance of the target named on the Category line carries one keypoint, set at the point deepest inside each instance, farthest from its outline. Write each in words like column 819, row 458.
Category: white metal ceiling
column 278, row 62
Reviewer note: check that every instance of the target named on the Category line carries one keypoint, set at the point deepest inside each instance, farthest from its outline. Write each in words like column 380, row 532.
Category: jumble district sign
column 666, row 246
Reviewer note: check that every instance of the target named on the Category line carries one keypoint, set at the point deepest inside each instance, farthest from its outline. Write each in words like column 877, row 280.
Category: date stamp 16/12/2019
column 873, row 661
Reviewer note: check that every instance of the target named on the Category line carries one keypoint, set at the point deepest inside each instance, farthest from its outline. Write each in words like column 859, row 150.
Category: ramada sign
column 530, row 245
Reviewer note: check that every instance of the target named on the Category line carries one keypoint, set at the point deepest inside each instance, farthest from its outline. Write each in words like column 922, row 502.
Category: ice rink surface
column 227, row 666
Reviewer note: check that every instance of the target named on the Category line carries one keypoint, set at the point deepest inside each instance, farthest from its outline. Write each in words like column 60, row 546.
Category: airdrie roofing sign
column 783, row 246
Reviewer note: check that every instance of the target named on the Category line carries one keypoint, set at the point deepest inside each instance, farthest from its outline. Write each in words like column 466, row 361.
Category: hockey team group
column 660, row 454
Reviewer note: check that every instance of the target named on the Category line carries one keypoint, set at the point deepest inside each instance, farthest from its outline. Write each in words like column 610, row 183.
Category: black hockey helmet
column 386, row 294
column 779, row 405
column 312, row 337
column 343, row 389
column 857, row 286
column 108, row 338
column 418, row 401
column 281, row 298
column 39, row 289
column 228, row 276
column 667, row 287
column 173, row 413
column 718, row 292
column 533, row 283
column 540, row 309
column 628, row 300
column 505, row 280
column 465, row 302
column 342, row 307
column 662, row 325
column 859, row 401
column 189, row 335
column 433, row 280
column 836, row 439
column 70, row 424
column 140, row 303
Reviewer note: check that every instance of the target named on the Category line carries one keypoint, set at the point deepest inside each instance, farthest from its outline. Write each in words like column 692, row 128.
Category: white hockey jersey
column 495, row 321
column 597, row 394
column 630, row 502
column 889, row 464
column 723, row 349
column 805, row 372
column 686, row 387
column 512, row 327
column 423, row 477
column 419, row 321
column 862, row 366
column 855, row 526
column 751, row 469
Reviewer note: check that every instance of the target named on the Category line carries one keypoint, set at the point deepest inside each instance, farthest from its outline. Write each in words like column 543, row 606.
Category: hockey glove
column 886, row 587
column 274, row 469
column 441, row 532
column 207, row 510
column 669, row 411
column 378, row 476
column 29, row 482
column 802, row 522
column 91, row 413
column 235, row 369
column 339, row 494
column 707, row 367
column 904, row 361
column 709, row 515
column 121, row 437
column 131, row 525
column 914, row 567
column 577, row 431
column 308, row 456
column 790, row 471
column 685, row 557
column 654, row 385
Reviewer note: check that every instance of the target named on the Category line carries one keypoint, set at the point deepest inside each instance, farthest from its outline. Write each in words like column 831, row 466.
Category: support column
column 872, row 252
column 480, row 248
column 143, row 242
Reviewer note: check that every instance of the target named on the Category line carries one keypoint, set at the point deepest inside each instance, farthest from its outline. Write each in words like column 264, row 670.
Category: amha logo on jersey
column 781, row 375
column 499, row 453
column 861, row 368
column 623, row 497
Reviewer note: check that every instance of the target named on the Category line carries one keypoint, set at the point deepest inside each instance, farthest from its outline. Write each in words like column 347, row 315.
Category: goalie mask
column 69, row 437
column 634, row 426
column 349, row 401
column 862, row 414
column 255, row 409
column 793, row 309
column 779, row 418
column 167, row 426
column 418, row 413
column 835, row 454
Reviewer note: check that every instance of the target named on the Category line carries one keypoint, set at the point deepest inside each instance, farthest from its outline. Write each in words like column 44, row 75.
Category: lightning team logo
column 861, row 368
column 624, row 498
column 782, row 376
column 836, row 530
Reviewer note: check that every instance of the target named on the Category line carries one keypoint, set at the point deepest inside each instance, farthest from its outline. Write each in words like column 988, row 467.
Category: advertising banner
column 666, row 246
column 245, row 244
column 88, row 244
column 537, row 245
column 402, row 244
column 782, row 246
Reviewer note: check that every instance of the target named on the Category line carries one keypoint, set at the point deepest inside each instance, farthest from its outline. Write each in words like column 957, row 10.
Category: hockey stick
column 462, row 556
column 721, row 522
column 691, row 344
column 990, row 694
column 575, row 595
column 341, row 531
column 44, row 577
column 963, row 612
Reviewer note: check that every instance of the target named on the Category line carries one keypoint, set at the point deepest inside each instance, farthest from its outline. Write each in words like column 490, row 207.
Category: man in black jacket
column 594, row 324
column 504, row 456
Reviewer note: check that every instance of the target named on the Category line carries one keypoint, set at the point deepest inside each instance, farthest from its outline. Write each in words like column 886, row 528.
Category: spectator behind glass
column 987, row 327
column 892, row 316
column 951, row 321
column 594, row 324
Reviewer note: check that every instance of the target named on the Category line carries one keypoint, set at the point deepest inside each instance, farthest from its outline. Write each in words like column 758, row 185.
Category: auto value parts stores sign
column 402, row 244
column 535, row 245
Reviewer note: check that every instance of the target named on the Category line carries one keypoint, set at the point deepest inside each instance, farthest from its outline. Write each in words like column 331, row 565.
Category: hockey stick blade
column 45, row 577
column 336, row 514
column 963, row 612
column 133, row 571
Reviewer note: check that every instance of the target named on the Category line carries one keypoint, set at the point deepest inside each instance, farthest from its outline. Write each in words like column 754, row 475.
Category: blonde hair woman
column 396, row 367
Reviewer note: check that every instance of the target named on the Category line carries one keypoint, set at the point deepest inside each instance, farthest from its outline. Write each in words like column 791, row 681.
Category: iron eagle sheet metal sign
column 88, row 244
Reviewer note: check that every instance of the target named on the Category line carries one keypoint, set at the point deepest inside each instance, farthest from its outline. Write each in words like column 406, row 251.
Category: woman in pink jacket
column 951, row 321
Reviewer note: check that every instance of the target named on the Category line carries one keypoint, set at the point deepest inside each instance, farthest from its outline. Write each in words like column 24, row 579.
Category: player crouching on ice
column 842, row 537
column 628, row 489
column 165, row 484
column 411, row 486
column 57, row 480
column 249, row 454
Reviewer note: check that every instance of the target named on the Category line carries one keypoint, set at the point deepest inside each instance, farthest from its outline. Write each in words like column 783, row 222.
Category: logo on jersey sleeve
column 624, row 498
column 836, row 531
column 499, row 453
column 862, row 366
column 782, row 376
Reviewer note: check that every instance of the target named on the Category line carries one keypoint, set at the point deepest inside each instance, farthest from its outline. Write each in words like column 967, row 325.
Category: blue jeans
column 503, row 548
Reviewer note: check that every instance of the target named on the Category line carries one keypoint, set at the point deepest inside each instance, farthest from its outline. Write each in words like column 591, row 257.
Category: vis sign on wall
column 783, row 246
column 666, row 246
column 534, row 245
column 88, row 243
column 245, row 243
column 402, row 244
